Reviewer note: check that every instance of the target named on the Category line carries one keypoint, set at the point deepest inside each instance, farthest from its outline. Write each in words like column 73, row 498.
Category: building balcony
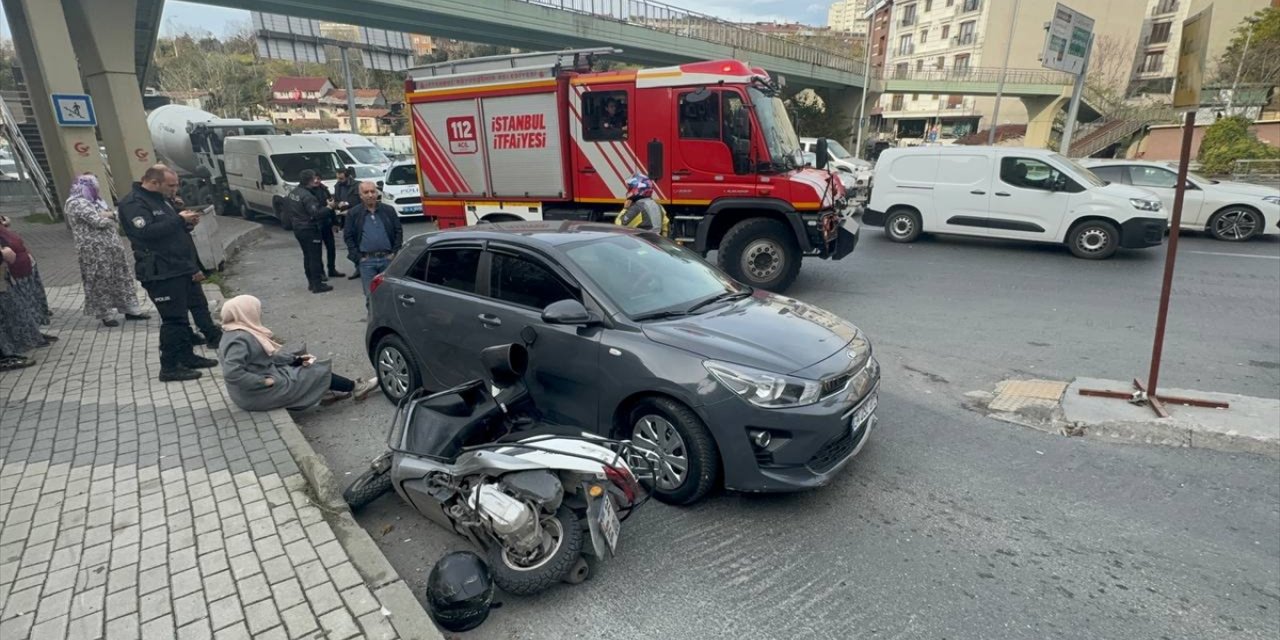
column 964, row 40
column 905, row 50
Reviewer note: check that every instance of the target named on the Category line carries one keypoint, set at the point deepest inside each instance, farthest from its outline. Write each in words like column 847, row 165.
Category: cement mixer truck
column 191, row 142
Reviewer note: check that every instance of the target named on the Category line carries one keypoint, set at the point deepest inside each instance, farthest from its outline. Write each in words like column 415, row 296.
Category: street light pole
column 866, row 86
column 1004, row 69
column 1248, row 36
column 353, row 118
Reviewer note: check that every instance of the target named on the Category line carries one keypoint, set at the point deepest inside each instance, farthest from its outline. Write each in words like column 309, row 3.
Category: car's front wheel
column 397, row 369
column 677, row 447
column 1094, row 240
column 902, row 225
column 1235, row 224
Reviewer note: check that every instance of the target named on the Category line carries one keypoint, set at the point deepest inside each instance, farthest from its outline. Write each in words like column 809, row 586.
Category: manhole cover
column 1012, row 395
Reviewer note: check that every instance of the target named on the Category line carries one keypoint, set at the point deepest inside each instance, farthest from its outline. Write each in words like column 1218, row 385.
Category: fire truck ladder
column 578, row 59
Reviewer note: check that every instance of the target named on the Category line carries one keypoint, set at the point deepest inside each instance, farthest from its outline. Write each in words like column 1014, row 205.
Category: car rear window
column 449, row 268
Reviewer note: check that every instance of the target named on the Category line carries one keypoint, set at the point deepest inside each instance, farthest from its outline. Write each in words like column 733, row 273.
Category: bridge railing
column 689, row 24
column 978, row 75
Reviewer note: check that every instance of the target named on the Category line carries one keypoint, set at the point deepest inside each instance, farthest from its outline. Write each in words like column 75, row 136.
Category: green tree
column 1228, row 140
column 814, row 118
column 1262, row 62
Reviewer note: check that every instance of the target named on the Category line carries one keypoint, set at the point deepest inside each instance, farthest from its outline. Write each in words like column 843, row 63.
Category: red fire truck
column 540, row 136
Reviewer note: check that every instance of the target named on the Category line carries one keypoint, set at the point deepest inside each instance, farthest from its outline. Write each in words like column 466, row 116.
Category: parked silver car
column 633, row 336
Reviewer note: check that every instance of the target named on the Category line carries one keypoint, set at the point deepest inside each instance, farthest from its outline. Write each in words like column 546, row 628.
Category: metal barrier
column 979, row 74
column 689, row 24
column 1267, row 171
column 25, row 159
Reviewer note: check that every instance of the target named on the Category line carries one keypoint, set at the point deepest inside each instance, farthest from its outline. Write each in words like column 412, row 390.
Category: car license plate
column 864, row 412
column 413, row 209
column 608, row 522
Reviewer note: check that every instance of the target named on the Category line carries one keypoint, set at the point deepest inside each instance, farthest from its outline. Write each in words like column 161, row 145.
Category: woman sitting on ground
column 262, row 375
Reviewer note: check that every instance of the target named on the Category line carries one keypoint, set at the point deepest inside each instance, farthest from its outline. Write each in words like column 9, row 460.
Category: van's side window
column 1028, row 173
column 268, row 174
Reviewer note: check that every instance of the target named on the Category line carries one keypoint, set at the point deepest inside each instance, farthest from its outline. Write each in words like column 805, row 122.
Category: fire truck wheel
column 762, row 253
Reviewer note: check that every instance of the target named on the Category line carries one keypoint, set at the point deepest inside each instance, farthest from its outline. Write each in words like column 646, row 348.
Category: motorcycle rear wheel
column 553, row 567
column 366, row 488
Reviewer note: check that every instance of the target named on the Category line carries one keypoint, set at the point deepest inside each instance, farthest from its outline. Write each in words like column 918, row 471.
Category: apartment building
column 945, row 37
column 1156, row 56
column 847, row 16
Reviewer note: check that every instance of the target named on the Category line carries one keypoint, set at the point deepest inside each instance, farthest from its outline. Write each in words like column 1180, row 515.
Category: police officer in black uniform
column 166, row 267
column 196, row 302
column 328, row 225
column 308, row 214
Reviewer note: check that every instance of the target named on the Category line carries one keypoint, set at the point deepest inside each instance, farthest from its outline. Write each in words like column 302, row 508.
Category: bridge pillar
column 847, row 100
column 104, row 40
column 43, row 45
column 1041, row 112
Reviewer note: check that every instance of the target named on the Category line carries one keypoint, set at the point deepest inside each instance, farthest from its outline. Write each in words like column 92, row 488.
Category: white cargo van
column 262, row 170
column 1010, row 192
column 357, row 150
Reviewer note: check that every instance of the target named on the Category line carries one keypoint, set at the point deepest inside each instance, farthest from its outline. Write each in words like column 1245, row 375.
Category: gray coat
column 245, row 366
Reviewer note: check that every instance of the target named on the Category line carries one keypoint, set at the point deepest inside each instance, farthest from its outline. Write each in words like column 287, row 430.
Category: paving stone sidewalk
column 131, row 508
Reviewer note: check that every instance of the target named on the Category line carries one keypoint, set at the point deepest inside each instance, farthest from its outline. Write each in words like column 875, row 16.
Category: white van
column 356, row 150
column 262, row 170
column 1010, row 192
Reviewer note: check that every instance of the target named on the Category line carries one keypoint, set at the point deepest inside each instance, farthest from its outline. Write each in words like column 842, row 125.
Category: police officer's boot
column 174, row 346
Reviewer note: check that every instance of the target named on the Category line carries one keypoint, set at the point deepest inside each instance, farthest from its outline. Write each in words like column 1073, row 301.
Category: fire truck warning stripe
column 447, row 176
column 431, row 165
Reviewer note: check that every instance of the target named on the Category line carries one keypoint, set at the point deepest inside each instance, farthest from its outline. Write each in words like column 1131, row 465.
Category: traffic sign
column 74, row 110
column 1067, row 40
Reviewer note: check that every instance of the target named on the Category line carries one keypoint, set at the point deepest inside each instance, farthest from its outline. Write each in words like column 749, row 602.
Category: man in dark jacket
column 165, row 265
column 373, row 235
column 307, row 214
column 328, row 228
column 346, row 195
column 196, row 301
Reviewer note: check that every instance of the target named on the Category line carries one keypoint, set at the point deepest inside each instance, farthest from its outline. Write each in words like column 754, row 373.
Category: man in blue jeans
column 373, row 235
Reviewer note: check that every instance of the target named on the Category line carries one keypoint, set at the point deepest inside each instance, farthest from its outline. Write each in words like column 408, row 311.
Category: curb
column 407, row 616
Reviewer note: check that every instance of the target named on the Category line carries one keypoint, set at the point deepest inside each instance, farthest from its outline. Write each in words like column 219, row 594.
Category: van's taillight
column 622, row 479
column 375, row 283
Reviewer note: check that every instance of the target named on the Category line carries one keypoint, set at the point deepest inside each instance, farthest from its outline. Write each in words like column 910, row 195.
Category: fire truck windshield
column 779, row 135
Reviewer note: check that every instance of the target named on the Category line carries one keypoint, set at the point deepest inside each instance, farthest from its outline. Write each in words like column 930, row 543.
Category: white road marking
column 1235, row 255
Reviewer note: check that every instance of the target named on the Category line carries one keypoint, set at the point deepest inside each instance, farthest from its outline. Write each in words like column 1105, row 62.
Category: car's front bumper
column 809, row 446
column 1138, row 233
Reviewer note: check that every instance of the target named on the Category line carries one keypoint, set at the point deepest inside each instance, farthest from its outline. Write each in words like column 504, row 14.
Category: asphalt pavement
column 949, row 524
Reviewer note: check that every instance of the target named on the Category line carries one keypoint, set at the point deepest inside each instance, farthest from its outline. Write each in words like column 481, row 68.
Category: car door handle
column 978, row 193
column 490, row 320
column 682, row 172
column 1003, row 194
column 587, row 170
column 406, row 299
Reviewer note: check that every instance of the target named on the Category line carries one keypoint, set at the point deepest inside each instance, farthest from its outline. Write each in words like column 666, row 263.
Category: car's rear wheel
column 1235, row 224
column 1094, row 240
column 902, row 225
column 397, row 368
column 673, row 440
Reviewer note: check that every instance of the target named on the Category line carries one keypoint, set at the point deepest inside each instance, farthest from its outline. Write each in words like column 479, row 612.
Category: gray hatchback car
column 635, row 337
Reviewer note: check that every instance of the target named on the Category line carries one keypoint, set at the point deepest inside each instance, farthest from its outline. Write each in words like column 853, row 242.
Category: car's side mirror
column 820, row 154
column 380, row 184
column 566, row 312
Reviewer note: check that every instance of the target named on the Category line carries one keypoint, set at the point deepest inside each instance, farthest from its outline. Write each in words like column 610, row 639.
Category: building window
column 920, row 65
column 951, row 2
column 900, row 70
column 1165, row 6
column 1159, row 33
column 924, row 36
column 896, row 103
column 905, row 47
column 961, row 63
column 942, row 62
column 946, row 31
column 1154, row 62
column 915, row 97
column 908, row 15
column 928, row 6
column 971, row 5
column 967, row 35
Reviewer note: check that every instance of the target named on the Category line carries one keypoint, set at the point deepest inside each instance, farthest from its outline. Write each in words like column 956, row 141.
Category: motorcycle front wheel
column 561, row 548
column 367, row 487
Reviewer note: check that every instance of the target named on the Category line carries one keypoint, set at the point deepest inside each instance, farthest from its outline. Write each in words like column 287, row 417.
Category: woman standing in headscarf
column 261, row 375
column 23, row 305
column 106, row 268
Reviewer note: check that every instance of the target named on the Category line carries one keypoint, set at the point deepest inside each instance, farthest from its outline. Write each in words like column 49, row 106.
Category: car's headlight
column 1145, row 205
column 763, row 388
column 1271, row 199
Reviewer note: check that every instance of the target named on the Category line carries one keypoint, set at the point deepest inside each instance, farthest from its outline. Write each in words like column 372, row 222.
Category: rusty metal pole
column 1171, row 255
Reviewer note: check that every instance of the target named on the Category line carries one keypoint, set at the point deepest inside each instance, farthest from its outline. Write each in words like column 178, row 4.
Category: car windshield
column 1080, row 170
column 779, row 135
column 647, row 275
column 368, row 155
column 838, row 152
column 366, row 172
column 324, row 163
column 402, row 174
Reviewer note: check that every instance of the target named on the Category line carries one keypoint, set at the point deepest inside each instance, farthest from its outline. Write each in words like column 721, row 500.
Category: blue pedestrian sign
column 74, row 110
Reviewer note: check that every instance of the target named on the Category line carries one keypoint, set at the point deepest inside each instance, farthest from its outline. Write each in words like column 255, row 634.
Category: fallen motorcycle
column 476, row 460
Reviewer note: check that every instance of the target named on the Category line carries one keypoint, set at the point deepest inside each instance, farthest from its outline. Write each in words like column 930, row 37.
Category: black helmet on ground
column 460, row 591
